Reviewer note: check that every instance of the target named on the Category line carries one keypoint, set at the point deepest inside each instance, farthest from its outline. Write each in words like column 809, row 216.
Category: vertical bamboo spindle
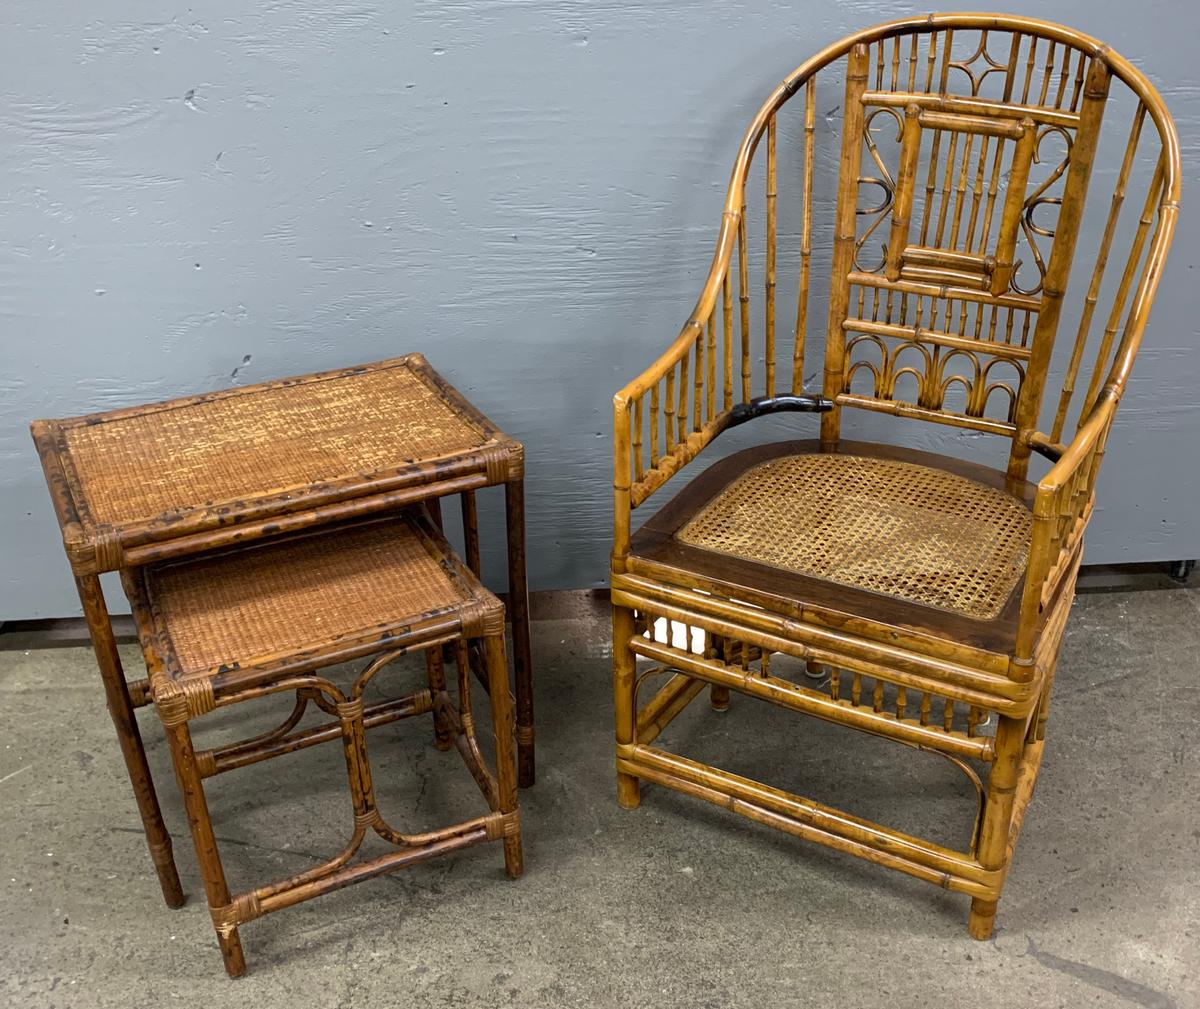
column 1058, row 271
column 638, row 471
column 769, row 306
column 844, row 237
column 621, row 474
column 1118, row 306
column 712, row 366
column 727, row 334
column 684, row 393
column 744, row 299
column 669, row 410
column 910, row 149
column 655, row 421
column 1014, row 200
column 1093, row 294
column 810, row 120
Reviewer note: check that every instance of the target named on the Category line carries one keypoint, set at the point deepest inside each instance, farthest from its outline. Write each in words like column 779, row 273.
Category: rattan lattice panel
column 286, row 596
column 897, row 528
column 167, row 460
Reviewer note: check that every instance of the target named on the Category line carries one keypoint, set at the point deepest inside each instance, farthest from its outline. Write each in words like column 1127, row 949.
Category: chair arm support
column 1062, row 509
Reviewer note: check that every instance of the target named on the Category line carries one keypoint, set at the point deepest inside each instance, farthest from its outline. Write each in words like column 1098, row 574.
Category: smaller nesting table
column 249, row 622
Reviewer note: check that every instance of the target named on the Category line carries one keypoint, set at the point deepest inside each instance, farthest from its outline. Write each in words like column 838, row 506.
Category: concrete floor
column 676, row 904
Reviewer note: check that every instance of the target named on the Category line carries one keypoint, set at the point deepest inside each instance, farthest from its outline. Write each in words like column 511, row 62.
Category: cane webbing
column 164, row 461
column 288, row 597
column 897, row 528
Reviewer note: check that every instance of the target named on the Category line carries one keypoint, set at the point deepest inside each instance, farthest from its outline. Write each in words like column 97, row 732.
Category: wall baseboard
column 583, row 604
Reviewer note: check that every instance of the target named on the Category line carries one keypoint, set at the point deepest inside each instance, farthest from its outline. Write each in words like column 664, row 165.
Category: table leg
column 470, row 518
column 121, row 709
column 502, row 724
column 518, row 604
column 224, row 913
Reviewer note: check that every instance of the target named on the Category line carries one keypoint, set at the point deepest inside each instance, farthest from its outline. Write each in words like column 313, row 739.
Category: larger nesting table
column 151, row 483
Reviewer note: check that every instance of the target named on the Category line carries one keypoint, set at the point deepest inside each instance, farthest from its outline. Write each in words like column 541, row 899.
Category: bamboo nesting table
column 249, row 622
column 151, row 484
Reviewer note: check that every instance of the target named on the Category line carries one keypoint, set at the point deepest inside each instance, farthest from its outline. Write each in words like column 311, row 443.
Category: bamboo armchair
column 925, row 596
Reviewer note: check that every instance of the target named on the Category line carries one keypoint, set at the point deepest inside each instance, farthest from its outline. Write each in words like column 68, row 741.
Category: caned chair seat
column 866, row 530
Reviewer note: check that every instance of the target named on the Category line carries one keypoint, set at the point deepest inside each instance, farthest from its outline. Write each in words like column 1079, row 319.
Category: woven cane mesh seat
column 166, row 459
column 284, row 597
column 898, row 528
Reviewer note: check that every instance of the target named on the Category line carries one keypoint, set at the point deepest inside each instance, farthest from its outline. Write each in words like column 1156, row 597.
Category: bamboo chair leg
column 718, row 698
column 435, row 671
column 997, row 818
column 624, row 677
column 120, row 708
column 518, row 609
column 506, row 762
column 215, row 886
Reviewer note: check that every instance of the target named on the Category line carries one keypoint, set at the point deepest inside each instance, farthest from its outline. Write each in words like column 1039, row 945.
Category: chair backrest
column 979, row 136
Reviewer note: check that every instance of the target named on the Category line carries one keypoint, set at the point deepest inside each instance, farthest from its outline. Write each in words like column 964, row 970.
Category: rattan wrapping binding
column 158, row 462
column 283, row 597
column 898, row 528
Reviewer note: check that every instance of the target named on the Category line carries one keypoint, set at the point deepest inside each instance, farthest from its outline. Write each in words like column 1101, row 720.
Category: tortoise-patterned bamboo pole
column 215, row 887
column 435, row 672
column 120, row 709
column 470, row 520
column 518, row 611
column 504, row 725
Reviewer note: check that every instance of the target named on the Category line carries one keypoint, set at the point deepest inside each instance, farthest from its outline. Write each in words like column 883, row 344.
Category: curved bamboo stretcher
column 929, row 602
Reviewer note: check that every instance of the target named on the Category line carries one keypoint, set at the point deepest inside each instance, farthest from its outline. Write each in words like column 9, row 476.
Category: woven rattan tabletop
column 163, row 471
column 306, row 598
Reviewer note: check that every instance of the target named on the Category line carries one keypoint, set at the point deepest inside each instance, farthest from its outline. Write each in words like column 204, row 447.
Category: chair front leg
column 998, row 818
column 624, row 704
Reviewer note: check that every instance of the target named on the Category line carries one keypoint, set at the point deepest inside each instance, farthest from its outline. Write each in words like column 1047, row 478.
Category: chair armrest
column 1062, row 509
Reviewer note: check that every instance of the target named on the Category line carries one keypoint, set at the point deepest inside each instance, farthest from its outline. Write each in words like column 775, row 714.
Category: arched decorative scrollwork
column 938, row 372
column 884, row 181
column 1038, row 198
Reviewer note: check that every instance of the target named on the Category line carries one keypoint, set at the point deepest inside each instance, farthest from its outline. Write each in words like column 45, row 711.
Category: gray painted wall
column 525, row 190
